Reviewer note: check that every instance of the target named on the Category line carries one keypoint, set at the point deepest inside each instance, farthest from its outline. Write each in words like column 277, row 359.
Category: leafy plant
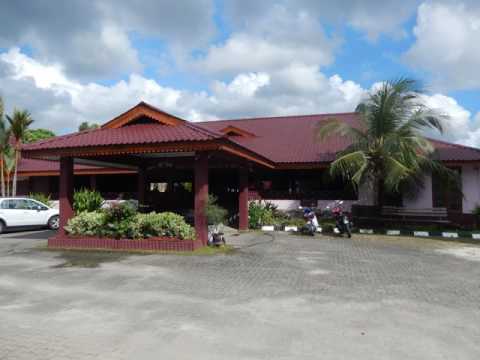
column 216, row 215
column 259, row 214
column 476, row 210
column 87, row 200
column 86, row 224
column 32, row 135
column 388, row 150
column 41, row 197
column 166, row 224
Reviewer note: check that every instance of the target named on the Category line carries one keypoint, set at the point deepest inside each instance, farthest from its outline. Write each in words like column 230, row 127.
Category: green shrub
column 216, row 215
column 41, row 197
column 87, row 200
column 476, row 210
column 260, row 214
column 121, row 221
column 163, row 224
column 86, row 224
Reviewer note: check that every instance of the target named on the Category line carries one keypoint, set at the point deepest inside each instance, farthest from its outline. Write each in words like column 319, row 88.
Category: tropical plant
column 9, row 166
column 259, row 214
column 86, row 200
column 41, row 197
column 216, row 214
column 388, row 148
column 32, row 135
column 4, row 145
column 19, row 123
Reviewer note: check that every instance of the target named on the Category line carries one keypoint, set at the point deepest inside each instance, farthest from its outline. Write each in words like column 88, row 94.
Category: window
column 444, row 193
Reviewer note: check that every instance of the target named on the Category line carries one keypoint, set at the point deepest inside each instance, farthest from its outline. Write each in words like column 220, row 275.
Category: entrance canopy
column 144, row 132
column 147, row 139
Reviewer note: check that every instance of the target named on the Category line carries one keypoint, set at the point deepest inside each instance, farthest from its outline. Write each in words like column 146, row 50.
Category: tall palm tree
column 388, row 148
column 9, row 165
column 19, row 123
column 4, row 137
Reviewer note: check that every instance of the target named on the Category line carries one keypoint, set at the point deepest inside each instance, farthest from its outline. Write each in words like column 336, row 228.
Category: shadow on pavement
column 29, row 235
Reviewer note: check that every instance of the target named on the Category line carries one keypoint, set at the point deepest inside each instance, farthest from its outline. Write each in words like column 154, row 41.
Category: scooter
column 215, row 236
column 342, row 222
column 311, row 225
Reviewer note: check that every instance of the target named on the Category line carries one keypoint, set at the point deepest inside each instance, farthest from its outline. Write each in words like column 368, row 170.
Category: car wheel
column 2, row 226
column 54, row 223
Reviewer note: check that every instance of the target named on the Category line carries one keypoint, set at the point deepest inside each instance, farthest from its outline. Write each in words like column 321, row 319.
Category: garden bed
column 150, row 244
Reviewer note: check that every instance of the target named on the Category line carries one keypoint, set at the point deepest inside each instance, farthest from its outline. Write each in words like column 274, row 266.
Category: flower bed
column 150, row 244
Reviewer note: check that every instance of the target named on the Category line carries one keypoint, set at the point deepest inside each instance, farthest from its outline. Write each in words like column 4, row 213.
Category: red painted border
column 151, row 244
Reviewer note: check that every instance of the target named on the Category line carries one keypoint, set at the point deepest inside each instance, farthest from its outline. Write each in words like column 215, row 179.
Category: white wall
column 470, row 187
column 424, row 199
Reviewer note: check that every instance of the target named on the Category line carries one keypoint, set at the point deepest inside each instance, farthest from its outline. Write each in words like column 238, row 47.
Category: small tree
column 388, row 148
column 19, row 123
column 216, row 215
column 38, row 134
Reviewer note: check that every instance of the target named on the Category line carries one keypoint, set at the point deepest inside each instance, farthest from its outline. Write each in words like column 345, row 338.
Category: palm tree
column 4, row 137
column 9, row 164
column 19, row 123
column 387, row 148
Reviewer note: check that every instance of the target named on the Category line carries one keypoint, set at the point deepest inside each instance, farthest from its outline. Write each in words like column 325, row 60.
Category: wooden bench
column 428, row 215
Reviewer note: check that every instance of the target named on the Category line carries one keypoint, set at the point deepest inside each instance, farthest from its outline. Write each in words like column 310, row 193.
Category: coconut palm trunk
column 2, row 176
column 19, row 123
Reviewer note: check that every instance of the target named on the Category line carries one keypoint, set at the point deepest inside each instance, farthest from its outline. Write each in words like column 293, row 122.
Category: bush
column 87, row 224
column 121, row 221
column 87, row 200
column 476, row 210
column 260, row 214
column 216, row 215
column 163, row 224
column 41, row 197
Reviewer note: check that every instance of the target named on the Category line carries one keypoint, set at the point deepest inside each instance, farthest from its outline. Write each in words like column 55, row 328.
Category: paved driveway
column 281, row 297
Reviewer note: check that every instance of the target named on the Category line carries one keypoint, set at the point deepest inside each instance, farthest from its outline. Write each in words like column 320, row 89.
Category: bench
column 428, row 215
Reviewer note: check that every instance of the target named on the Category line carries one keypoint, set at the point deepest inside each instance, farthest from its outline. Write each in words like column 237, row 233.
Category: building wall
column 470, row 187
column 424, row 198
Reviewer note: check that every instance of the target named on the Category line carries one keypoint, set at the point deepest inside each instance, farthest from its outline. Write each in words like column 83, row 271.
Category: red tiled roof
column 290, row 139
column 133, row 134
column 287, row 139
column 282, row 140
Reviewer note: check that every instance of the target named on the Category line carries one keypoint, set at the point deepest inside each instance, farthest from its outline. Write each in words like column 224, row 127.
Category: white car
column 23, row 212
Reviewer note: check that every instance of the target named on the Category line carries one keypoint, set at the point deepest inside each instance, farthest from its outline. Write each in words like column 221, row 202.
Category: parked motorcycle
column 311, row 225
column 342, row 222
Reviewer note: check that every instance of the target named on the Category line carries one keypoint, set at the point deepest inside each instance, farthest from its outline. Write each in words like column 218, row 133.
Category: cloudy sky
column 74, row 61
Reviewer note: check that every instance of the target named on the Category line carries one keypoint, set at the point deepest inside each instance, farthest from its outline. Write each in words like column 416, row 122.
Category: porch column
column 141, row 187
column 243, row 199
column 201, row 196
column 65, row 192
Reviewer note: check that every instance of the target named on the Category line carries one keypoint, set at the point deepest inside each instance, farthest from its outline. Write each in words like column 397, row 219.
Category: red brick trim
column 151, row 244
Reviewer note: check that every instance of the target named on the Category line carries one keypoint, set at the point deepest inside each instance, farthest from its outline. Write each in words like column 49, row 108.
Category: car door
column 12, row 212
column 34, row 213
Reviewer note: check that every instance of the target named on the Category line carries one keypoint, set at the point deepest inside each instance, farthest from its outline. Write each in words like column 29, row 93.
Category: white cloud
column 60, row 103
column 281, row 38
column 447, row 43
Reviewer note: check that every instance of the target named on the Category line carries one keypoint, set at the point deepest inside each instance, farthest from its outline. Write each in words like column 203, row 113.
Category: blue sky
column 213, row 59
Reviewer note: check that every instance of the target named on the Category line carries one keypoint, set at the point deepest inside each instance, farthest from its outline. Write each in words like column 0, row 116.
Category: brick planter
column 151, row 244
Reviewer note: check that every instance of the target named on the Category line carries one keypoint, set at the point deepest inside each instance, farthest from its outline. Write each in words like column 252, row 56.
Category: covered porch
column 178, row 165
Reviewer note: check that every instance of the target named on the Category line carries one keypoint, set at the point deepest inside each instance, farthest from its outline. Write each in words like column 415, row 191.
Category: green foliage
column 87, row 200
column 41, row 197
column 166, row 224
column 87, row 224
column 87, row 126
column 216, row 215
column 32, row 135
column 123, row 222
column 388, row 150
column 260, row 214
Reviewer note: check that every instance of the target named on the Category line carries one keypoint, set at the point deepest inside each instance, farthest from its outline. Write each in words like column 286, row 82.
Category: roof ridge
column 277, row 117
column 204, row 130
column 454, row 144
